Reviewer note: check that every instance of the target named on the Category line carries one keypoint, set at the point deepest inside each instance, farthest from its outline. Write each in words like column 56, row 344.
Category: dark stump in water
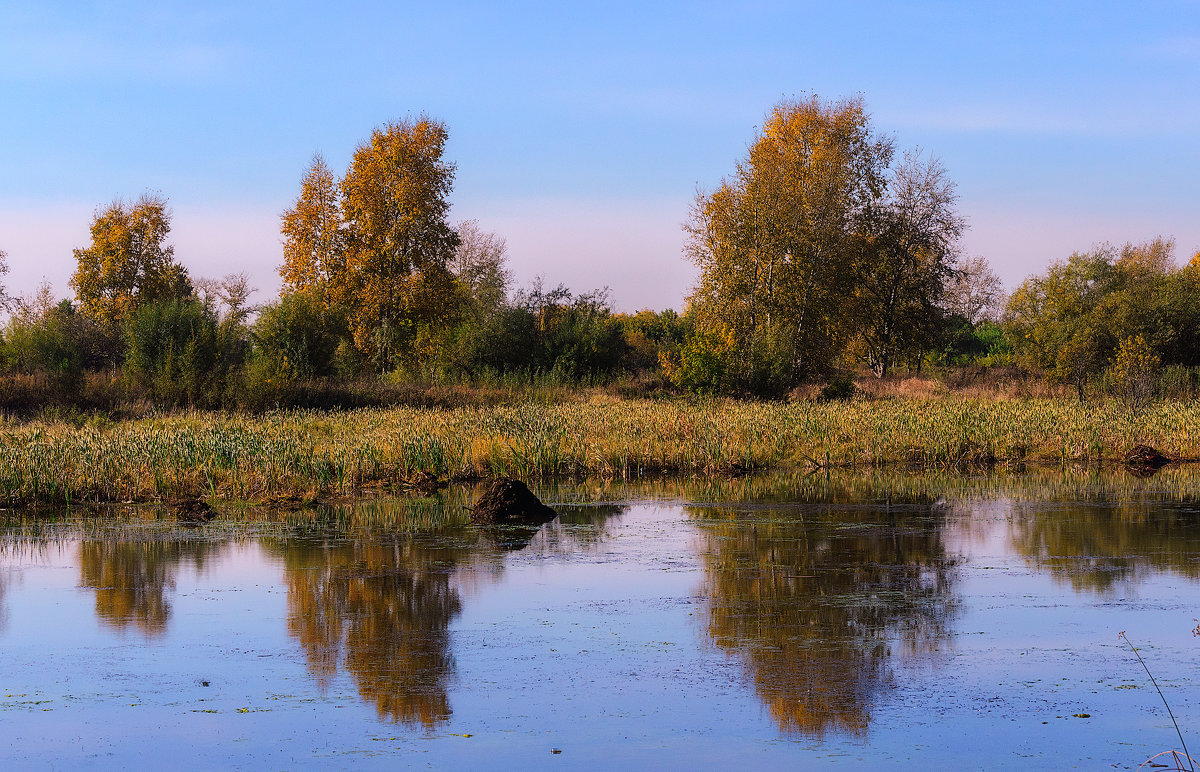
column 1145, row 460
column 506, row 501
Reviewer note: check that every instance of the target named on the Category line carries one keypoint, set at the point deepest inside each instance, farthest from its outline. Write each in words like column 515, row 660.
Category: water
column 903, row 622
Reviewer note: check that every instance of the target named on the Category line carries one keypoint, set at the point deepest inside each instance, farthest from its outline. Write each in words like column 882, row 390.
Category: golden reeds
column 333, row 454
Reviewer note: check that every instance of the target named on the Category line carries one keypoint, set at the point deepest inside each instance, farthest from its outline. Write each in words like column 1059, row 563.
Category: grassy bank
column 335, row 454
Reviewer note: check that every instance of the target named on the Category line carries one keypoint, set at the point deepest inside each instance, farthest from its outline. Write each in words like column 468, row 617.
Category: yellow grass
column 307, row 453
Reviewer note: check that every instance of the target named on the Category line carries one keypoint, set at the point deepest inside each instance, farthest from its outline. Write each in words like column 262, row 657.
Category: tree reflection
column 132, row 579
column 5, row 574
column 812, row 599
column 383, row 609
column 376, row 590
column 1097, row 544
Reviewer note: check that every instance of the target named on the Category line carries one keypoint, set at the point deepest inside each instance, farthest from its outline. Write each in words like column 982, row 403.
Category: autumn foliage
column 825, row 255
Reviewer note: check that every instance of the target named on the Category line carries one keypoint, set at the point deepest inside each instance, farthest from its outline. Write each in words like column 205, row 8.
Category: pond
column 778, row 621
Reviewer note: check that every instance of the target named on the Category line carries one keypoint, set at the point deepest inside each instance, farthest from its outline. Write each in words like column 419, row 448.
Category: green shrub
column 297, row 338
column 840, row 388
column 173, row 352
column 700, row 367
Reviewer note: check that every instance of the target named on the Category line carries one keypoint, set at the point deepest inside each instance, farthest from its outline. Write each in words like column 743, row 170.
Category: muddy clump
column 191, row 511
column 1145, row 459
column 506, row 501
column 424, row 484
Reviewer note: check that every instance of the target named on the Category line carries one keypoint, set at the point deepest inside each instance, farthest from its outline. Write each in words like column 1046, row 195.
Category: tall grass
column 334, row 454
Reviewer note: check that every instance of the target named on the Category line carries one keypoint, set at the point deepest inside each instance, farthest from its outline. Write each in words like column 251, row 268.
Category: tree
column 128, row 264
column 228, row 301
column 297, row 337
column 1134, row 371
column 228, row 297
column 396, row 285
column 1070, row 320
column 313, row 239
column 974, row 291
column 773, row 242
column 46, row 336
column 1054, row 322
column 5, row 300
column 905, row 260
column 480, row 263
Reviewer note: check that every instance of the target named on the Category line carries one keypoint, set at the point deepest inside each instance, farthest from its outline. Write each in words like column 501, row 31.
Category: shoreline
column 315, row 455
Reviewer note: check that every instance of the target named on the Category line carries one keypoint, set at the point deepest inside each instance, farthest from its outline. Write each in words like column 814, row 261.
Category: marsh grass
column 317, row 454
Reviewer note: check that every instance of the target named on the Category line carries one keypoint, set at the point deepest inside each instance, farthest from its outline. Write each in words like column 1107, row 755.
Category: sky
column 582, row 132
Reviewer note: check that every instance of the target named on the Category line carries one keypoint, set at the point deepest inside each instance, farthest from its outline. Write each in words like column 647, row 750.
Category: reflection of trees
column 578, row 526
column 5, row 575
column 381, row 604
column 131, row 579
column 811, row 601
column 1096, row 544
column 383, row 608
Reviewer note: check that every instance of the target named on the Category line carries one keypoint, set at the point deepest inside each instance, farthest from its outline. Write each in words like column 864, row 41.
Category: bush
column 700, row 366
column 1134, row 371
column 173, row 352
column 839, row 389
column 297, row 338
column 50, row 340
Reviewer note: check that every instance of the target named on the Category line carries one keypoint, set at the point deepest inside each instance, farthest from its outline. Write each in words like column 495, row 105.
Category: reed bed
column 311, row 454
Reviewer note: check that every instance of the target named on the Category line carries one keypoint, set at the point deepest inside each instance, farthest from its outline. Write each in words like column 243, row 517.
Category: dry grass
column 332, row 454
column 971, row 382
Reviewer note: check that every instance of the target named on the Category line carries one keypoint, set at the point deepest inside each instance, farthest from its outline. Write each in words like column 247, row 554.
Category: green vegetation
column 310, row 454
column 831, row 276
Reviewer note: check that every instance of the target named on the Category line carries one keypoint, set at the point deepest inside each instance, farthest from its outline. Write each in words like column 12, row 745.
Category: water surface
column 788, row 620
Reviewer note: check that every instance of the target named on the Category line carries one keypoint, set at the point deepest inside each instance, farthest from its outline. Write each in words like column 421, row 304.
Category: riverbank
column 299, row 455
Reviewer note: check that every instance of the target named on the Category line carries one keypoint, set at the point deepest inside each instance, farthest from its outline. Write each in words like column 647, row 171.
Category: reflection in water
column 132, row 578
column 1097, row 544
column 385, row 608
column 381, row 604
column 5, row 578
column 811, row 599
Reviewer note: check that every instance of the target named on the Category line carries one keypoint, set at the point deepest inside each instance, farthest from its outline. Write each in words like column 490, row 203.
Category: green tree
column 1053, row 320
column 1070, row 320
column 297, row 338
column 174, row 351
column 228, row 301
column 45, row 336
column 906, row 258
column 396, row 285
column 128, row 263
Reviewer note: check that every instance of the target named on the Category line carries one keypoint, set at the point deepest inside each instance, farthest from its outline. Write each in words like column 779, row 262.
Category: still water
column 772, row 622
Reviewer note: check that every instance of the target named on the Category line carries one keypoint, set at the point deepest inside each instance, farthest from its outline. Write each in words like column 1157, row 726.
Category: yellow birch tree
column 396, row 286
column 128, row 263
column 313, row 254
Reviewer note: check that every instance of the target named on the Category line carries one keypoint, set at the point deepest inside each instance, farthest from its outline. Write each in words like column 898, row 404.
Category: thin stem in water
column 1163, row 697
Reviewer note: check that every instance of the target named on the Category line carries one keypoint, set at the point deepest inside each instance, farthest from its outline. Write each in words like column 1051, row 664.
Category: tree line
column 828, row 250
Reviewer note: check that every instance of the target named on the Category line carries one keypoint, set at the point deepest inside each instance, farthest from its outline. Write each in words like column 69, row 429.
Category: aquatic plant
column 1174, row 754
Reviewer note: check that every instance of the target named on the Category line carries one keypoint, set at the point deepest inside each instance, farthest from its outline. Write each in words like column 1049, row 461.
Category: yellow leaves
column 378, row 242
column 128, row 261
column 312, row 233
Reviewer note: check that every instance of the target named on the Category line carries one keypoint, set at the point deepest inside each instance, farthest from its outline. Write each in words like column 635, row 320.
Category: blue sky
column 581, row 132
